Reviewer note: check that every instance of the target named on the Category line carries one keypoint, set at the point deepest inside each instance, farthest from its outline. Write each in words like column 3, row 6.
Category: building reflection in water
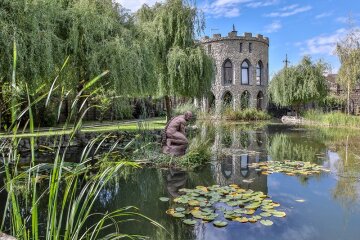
column 232, row 157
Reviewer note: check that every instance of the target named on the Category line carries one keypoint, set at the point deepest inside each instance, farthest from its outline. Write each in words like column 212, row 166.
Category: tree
column 300, row 84
column 348, row 51
column 181, row 65
column 96, row 35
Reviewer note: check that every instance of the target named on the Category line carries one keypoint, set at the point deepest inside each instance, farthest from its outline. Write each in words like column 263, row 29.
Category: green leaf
column 189, row 221
column 164, row 199
column 220, row 223
column 266, row 222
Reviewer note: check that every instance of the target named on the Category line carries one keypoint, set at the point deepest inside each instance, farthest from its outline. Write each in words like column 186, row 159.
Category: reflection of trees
column 286, row 147
column 244, row 139
column 347, row 189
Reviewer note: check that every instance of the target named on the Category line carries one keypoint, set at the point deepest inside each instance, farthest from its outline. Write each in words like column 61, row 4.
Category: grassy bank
column 332, row 119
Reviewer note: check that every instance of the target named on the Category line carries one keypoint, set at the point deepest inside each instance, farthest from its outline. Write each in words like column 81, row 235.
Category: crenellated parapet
column 233, row 36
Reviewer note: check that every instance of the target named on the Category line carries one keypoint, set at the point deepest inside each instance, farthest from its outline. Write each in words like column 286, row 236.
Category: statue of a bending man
column 175, row 141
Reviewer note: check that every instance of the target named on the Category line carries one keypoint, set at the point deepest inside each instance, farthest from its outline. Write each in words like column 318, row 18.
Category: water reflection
column 175, row 180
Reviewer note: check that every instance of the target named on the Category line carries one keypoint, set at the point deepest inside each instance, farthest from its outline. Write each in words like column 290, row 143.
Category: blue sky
column 296, row 28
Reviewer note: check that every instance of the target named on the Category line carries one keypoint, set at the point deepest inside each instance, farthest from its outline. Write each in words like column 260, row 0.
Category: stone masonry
column 233, row 51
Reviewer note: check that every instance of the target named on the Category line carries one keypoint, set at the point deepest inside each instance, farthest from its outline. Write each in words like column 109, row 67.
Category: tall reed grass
column 69, row 191
column 334, row 119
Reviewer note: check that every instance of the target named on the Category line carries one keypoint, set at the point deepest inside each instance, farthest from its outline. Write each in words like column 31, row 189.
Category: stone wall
column 223, row 48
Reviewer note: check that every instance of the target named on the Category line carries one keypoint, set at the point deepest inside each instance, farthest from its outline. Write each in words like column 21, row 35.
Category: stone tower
column 241, row 70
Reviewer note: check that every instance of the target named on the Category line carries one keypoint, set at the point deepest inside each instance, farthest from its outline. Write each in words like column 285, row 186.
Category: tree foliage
column 348, row 51
column 181, row 65
column 96, row 35
column 299, row 84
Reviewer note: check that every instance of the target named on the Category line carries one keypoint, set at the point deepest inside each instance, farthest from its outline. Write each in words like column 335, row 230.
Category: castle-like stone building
column 241, row 70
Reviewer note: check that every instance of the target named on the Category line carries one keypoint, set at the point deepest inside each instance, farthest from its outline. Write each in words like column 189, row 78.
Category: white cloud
column 265, row 3
column 289, row 11
column 342, row 19
column 273, row 27
column 323, row 44
column 324, row 15
column 224, row 8
column 134, row 5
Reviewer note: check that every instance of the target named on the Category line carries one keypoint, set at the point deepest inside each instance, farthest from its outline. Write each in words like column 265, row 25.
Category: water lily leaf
column 252, row 220
column 241, row 219
column 170, row 211
column 164, row 199
column 180, row 209
column 220, row 223
column 193, row 203
column 266, row 222
column 189, row 221
column 279, row 214
column 265, row 214
column 178, row 215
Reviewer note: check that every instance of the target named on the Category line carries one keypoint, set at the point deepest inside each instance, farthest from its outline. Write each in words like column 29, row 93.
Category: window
column 245, row 73
column 259, row 73
column 245, row 100
column 228, row 72
column 250, row 47
column 209, row 49
column 240, row 47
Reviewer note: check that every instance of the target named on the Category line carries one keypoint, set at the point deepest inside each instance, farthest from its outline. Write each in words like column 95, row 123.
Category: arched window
column 259, row 100
column 227, row 166
column 259, row 73
column 227, row 99
column 245, row 73
column 228, row 72
column 245, row 100
column 244, row 167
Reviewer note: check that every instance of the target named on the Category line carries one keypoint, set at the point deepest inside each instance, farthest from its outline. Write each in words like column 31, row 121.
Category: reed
column 69, row 190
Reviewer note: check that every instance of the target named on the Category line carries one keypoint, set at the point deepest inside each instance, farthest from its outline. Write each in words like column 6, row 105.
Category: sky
column 295, row 28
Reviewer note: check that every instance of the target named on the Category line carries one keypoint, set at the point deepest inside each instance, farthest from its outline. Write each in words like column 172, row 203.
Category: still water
column 325, row 206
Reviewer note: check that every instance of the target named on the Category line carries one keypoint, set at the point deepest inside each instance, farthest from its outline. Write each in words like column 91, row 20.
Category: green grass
column 332, row 119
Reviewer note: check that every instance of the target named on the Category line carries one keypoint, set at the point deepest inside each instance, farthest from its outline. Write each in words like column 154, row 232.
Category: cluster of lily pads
column 290, row 168
column 230, row 202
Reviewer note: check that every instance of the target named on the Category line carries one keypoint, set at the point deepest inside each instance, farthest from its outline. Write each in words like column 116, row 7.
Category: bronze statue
column 175, row 142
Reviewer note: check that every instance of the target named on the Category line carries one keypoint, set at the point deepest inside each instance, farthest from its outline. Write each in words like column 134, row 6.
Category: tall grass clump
column 248, row 114
column 56, row 200
column 333, row 119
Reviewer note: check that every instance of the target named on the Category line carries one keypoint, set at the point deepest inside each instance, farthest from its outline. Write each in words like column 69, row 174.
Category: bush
column 249, row 114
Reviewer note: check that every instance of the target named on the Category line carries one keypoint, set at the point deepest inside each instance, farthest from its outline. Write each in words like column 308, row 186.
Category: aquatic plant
column 235, row 203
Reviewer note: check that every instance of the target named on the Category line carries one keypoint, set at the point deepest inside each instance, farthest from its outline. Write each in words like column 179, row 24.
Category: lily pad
column 220, row 223
column 164, row 199
column 189, row 221
column 266, row 222
column 180, row 209
column 178, row 215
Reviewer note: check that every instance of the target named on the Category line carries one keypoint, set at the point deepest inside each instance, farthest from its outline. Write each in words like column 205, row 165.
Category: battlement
column 247, row 36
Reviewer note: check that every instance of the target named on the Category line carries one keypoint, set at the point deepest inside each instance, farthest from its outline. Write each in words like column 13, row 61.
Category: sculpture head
column 188, row 115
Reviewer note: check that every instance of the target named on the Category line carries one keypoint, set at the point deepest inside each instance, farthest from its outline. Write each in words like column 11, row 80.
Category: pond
column 324, row 206
column 320, row 206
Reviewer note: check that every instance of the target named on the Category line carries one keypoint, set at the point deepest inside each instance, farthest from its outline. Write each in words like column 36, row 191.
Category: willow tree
column 181, row 65
column 96, row 35
column 297, row 85
column 348, row 51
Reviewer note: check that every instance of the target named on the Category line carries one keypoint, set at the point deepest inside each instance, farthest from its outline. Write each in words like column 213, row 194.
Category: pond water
column 325, row 206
